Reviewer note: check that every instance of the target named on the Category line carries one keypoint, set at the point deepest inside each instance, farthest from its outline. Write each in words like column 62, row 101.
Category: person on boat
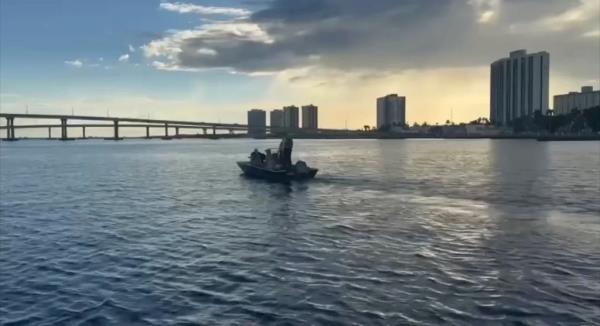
column 254, row 156
column 285, row 152
column 257, row 157
column 269, row 159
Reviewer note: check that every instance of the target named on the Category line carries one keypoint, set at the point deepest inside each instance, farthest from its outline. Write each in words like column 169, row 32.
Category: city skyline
column 162, row 59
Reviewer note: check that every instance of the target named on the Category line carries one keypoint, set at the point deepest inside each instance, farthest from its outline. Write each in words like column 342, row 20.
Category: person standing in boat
column 285, row 151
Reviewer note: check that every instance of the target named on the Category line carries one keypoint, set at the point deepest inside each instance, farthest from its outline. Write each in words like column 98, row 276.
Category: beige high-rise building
column 257, row 123
column 291, row 117
column 519, row 86
column 276, row 119
column 587, row 98
column 310, row 117
column 391, row 110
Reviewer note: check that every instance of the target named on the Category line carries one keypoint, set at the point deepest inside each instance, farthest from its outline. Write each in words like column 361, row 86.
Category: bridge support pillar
column 10, row 128
column 166, row 130
column 49, row 132
column 176, row 131
column 116, row 126
column 214, row 130
column 231, row 131
column 83, row 132
column 205, row 131
column 63, row 129
column 147, row 132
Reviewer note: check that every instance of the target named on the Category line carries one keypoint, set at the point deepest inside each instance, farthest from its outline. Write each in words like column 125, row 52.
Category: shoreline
column 350, row 135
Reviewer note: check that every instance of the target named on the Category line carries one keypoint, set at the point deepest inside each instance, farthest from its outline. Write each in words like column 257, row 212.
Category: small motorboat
column 299, row 171
column 276, row 165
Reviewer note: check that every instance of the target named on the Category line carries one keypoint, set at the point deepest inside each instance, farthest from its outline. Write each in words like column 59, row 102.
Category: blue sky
column 213, row 60
column 39, row 37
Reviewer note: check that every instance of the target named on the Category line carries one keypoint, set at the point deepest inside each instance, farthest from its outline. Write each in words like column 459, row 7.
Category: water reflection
column 390, row 232
column 519, row 171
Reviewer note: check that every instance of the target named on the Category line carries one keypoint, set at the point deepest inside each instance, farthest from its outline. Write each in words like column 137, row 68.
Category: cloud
column 199, row 48
column 124, row 58
column 486, row 10
column 206, row 51
column 74, row 63
column 187, row 8
column 592, row 33
column 131, row 48
column 380, row 36
column 584, row 12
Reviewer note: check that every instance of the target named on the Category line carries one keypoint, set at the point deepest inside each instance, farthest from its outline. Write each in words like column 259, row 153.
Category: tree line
column 577, row 121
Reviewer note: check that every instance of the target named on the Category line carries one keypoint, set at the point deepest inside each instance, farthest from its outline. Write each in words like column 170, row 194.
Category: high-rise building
column 566, row 103
column 391, row 111
column 519, row 86
column 257, row 123
column 310, row 117
column 276, row 119
column 290, row 117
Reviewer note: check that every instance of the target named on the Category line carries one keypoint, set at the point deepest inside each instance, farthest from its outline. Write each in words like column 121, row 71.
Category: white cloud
column 74, row 63
column 170, row 66
column 131, row 48
column 187, row 8
column 486, row 16
column 207, row 51
column 585, row 11
column 168, row 48
column 124, row 58
column 486, row 10
column 592, row 33
column 159, row 65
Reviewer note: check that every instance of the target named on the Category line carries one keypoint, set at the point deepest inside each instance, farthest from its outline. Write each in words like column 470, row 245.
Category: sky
column 214, row 60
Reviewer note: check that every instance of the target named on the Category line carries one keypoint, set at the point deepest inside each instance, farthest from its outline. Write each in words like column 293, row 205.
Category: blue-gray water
column 391, row 232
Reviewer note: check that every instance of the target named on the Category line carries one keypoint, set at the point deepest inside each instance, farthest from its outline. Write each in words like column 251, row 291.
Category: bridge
column 113, row 122
column 208, row 128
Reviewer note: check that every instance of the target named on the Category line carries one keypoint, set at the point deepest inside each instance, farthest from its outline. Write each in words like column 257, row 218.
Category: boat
column 262, row 172
column 269, row 166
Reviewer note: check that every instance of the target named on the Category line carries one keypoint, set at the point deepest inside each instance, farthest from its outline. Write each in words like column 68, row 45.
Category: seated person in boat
column 257, row 158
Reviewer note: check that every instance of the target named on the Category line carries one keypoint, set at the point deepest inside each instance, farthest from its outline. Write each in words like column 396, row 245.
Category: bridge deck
column 138, row 120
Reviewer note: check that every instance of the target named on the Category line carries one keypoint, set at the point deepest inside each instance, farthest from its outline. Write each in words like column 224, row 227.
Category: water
column 390, row 232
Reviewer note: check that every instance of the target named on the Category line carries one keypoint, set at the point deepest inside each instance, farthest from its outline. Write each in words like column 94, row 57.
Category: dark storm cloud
column 395, row 35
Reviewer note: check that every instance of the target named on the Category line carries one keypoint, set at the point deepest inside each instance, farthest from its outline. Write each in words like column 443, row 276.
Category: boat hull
column 274, row 175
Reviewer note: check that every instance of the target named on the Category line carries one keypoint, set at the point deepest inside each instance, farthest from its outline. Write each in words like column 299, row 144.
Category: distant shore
column 345, row 135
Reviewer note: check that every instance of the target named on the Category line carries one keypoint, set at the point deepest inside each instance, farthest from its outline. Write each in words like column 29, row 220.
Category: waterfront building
column 587, row 98
column 276, row 119
column 291, row 117
column 257, row 123
column 519, row 86
column 310, row 117
column 391, row 110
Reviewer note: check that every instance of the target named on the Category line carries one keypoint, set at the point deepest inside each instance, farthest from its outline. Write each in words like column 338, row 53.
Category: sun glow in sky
column 214, row 60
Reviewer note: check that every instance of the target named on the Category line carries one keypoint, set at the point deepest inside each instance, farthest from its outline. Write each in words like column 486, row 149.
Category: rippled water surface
column 391, row 232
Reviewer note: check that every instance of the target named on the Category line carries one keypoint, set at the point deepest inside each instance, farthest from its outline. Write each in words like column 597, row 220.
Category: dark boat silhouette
column 276, row 174
column 276, row 165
